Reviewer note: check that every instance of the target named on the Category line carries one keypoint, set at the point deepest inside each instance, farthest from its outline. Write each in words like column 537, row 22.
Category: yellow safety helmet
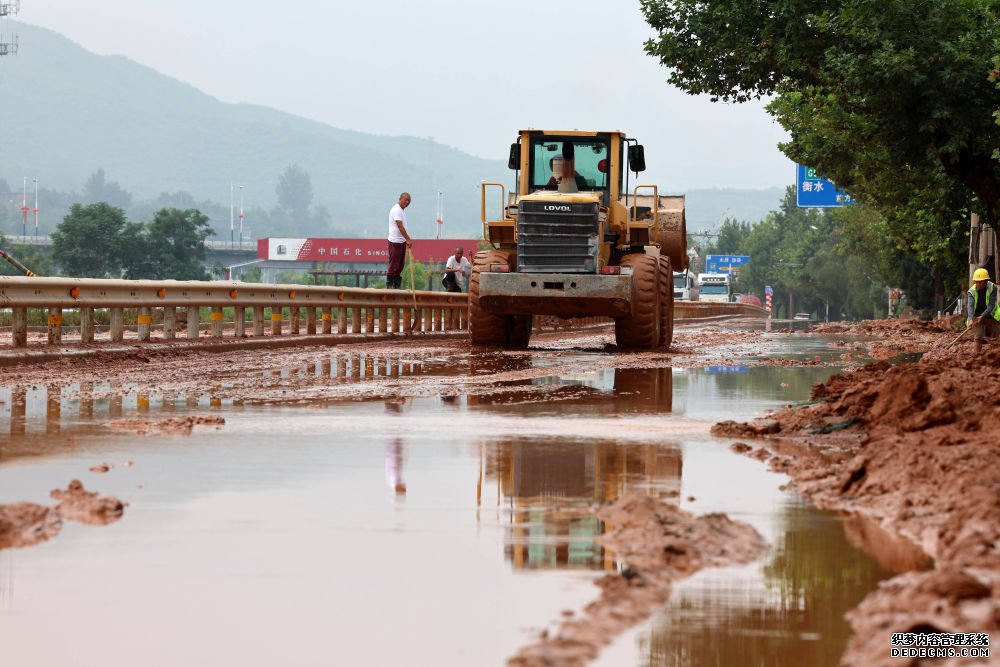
column 981, row 274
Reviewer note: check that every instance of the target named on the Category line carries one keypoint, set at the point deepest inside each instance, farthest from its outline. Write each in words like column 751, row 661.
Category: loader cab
column 593, row 162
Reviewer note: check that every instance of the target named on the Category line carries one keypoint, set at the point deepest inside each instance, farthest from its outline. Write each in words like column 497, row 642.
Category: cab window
column 591, row 163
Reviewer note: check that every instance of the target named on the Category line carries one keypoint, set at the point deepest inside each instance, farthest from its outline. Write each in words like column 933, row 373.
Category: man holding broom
column 399, row 241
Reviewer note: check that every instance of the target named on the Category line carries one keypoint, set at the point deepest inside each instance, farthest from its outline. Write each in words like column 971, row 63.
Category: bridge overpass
column 226, row 253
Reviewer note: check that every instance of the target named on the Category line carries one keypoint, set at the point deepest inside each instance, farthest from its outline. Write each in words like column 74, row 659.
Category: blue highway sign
column 811, row 191
column 725, row 263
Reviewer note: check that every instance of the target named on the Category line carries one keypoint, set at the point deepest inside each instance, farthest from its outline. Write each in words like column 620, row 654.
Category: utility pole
column 24, row 208
column 440, row 214
column 35, row 181
column 231, row 232
column 241, row 216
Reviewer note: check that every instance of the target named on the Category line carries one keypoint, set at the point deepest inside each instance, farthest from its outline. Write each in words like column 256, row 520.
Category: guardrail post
column 143, row 320
column 194, row 321
column 117, row 325
column 356, row 319
column 327, row 319
column 341, row 320
column 19, row 324
column 276, row 318
column 382, row 320
column 369, row 319
column 440, row 319
column 216, row 321
column 86, row 325
column 395, row 320
column 240, row 321
column 428, row 319
column 310, row 320
column 169, row 323
column 55, row 326
column 406, row 320
column 293, row 321
column 258, row 320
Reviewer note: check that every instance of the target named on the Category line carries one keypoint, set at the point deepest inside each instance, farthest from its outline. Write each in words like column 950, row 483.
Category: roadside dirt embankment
column 916, row 447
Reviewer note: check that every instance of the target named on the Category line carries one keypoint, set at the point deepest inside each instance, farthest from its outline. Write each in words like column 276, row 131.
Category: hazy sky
column 469, row 74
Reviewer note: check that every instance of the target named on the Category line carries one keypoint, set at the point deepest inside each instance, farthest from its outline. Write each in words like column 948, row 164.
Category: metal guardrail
column 211, row 244
column 356, row 310
column 706, row 309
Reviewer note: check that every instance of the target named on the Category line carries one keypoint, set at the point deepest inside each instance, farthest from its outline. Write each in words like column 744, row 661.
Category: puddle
column 445, row 530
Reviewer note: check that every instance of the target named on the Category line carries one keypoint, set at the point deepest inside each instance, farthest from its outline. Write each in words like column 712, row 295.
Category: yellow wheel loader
column 573, row 240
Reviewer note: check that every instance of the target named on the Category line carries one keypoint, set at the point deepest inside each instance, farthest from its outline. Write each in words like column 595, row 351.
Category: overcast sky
column 468, row 74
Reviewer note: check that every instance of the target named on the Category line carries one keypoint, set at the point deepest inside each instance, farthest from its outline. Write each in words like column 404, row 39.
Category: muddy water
column 436, row 530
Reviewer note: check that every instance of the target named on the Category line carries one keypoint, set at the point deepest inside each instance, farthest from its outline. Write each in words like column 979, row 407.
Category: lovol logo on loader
column 557, row 207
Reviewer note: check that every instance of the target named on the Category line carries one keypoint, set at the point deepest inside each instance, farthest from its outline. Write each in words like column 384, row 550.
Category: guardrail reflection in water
column 174, row 308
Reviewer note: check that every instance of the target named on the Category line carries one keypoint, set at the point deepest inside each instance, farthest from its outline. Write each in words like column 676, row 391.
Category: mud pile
column 916, row 447
column 894, row 337
column 658, row 543
column 170, row 425
column 26, row 524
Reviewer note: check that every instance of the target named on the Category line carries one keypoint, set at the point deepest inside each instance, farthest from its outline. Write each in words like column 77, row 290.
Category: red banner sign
column 356, row 250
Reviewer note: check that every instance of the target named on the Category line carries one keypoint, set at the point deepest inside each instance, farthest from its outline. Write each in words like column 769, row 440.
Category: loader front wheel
column 641, row 330
column 485, row 328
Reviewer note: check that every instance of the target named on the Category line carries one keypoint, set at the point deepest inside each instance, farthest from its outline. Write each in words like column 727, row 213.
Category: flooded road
column 385, row 510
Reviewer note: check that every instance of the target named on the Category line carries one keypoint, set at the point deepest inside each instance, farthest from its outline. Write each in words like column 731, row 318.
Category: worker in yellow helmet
column 982, row 307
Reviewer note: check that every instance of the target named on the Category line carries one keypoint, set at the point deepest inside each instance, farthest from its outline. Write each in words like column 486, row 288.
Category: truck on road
column 715, row 287
column 685, row 288
column 573, row 240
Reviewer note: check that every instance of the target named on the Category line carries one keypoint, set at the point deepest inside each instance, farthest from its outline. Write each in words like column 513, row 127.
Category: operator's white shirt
column 397, row 213
column 454, row 264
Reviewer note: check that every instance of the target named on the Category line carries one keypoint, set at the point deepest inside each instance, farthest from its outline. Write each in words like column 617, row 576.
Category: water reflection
column 548, row 487
column 813, row 577
column 604, row 392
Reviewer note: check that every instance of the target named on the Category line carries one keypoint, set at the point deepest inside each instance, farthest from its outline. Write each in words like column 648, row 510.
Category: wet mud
column 168, row 426
column 78, row 504
column 656, row 544
column 26, row 524
column 914, row 448
column 911, row 449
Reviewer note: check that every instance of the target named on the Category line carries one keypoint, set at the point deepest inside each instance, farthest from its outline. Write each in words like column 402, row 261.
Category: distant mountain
column 707, row 208
column 69, row 112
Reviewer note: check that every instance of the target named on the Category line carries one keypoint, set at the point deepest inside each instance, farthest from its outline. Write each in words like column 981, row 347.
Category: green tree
column 176, row 246
column 890, row 99
column 99, row 189
column 96, row 241
column 295, row 194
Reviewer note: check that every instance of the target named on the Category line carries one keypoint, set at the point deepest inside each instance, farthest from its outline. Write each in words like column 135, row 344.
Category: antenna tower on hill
column 8, row 45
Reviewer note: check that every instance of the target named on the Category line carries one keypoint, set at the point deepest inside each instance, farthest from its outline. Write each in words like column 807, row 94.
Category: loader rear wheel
column 641, row 330
column 485, row 328
column 666, row 302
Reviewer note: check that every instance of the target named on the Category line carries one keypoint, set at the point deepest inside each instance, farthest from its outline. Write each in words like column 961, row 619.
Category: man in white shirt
column 456, row 270
column 399, row 241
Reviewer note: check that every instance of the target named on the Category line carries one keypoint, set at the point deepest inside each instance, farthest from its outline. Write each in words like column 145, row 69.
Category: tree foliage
column 99, row 189
column 96, row 241
column 294, row 190
column 176, row 245
column 891, row 99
